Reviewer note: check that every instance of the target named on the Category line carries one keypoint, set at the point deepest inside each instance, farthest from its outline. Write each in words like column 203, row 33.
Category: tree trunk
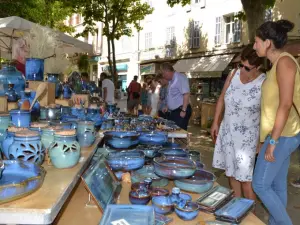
column 108, row 56
column 115, row 74
column 255, row 13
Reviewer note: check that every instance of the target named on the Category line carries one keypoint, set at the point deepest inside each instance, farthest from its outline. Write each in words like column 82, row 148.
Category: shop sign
column 147, row 69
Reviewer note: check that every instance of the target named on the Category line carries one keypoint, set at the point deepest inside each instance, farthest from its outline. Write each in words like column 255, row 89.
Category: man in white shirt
column 108, row 89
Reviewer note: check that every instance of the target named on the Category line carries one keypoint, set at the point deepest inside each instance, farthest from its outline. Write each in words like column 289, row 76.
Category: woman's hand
column 214, row 130
column 269, row 155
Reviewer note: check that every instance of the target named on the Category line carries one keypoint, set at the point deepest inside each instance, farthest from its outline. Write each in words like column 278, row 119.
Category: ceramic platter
column 128, row 215
column 19, row 179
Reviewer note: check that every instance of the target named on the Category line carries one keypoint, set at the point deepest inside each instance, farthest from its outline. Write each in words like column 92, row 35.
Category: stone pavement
column 201, row 141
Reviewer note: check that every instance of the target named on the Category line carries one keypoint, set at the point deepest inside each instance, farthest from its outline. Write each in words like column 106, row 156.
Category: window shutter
column 222, row 35
column 191, row 33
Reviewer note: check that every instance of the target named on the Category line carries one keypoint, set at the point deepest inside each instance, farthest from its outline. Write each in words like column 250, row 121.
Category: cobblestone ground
column 201, row 141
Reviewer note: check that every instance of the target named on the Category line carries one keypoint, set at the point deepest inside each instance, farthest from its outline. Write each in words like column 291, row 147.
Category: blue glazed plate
column 20, row 179
column 128, row 215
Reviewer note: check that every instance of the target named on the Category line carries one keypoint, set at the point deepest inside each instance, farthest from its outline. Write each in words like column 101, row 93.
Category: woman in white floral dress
column 237, row 137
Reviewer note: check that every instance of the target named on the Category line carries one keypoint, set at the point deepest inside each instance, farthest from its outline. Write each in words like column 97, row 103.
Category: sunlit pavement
column 201, row 141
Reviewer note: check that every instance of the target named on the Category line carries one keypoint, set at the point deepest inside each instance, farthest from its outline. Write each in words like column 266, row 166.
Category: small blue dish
column 189, row 211
column 200, row 182
column 120, row 139
column 153, row 138
column 139, row 197
column 126, row 161
column 177, row 152
column 162, row 204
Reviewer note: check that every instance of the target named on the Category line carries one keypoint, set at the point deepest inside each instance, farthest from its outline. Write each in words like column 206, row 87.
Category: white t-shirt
column 109, row 85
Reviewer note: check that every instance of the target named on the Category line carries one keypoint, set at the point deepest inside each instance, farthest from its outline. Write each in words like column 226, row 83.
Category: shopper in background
column 144, row 98
column 155, row 88
column 134, row 91
column 163, row 93
column 280, row 121
column 108, row 89
column 237, row 137
column 178, row 99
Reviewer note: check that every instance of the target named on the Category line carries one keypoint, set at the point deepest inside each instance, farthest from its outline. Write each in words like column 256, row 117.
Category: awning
column 147, row 69
column 204, row 67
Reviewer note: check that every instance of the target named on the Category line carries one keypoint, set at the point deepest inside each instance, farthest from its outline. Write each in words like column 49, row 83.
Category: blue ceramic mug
column 20, row 118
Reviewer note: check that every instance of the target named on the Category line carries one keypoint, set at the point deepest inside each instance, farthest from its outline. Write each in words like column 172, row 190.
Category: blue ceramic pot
column 139, row 197
column 162, row 204
column 34, row 69
column 64, row 151
column 200, row 182
column 20, row 118
column 11, row 94
column 174, row 167
column 27, row 146
column 54, row 78
column 43, row 113
column 4, row 122
column 178, row 152
column 78, row 112
column 10, row 75
column 67, row 93
column 86, row 133
column 8, row 140
column 121, row 139
column 189, row 211
column 38, row 126
column 153, row 138
column 125, row 161
column 47, row 136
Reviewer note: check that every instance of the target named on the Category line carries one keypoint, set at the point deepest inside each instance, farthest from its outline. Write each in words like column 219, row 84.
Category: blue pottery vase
column 43, row 113
column 11, row 94
column 8, row 139
column 27, row 146
column 47, row 136
column 67, row 92
column 64, row 151
column 20, row 118
column 10, row 75
column 86, row 133
column 4, row 122
column 34, row 69
column 54, row 78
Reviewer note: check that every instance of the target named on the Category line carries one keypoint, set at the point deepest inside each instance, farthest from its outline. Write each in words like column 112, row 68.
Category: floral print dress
column 238, row 136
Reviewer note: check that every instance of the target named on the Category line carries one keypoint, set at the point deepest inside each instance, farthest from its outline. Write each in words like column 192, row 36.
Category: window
column 194, row 34
column 232, row 29
column 218, row 31
column 170, row 35
column 148, row 40
column 268, row 15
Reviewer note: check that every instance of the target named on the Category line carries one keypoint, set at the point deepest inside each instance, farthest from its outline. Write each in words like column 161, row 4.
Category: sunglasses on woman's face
column 246, row 67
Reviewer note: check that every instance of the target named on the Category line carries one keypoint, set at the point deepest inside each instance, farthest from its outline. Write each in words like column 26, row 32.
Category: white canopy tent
column 12, row 28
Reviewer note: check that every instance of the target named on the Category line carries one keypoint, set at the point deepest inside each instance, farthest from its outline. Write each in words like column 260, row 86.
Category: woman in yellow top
column 280, row 122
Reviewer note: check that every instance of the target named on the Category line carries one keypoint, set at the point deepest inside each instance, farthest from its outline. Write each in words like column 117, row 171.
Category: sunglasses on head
column 241, row 65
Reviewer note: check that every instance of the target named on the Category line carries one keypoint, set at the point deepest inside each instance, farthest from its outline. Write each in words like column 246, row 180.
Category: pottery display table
column 78, row 213
column 43, row 206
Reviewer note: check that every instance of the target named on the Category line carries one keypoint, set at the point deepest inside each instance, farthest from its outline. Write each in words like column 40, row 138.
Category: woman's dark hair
column 275, row 31
column 248, row 53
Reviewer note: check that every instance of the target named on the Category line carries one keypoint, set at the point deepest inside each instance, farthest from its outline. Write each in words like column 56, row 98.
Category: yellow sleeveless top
column 270, row 103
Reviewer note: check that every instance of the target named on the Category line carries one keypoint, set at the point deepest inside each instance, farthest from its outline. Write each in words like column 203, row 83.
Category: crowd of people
column 260, row 126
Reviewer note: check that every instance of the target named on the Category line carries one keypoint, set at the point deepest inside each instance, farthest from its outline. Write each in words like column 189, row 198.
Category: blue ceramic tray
column 101, row 183
column 19, row 179
column 128, row 215
column 235, row 210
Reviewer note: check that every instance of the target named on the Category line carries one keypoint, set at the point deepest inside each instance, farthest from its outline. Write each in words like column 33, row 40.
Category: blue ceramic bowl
column 20, row 118
column 177, row 152
column 150, row 151
column 200, row 182
column 153, row 138
column 20, row 179
column 139, row 186
column 148, row 172
column 120, row 139
column 174, row 167
column 188, row 212
column 139, row 197
column 126, row 161
column 162, row 204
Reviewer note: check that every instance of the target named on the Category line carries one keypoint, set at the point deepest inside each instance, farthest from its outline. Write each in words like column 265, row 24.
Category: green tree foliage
column 254, row 12
column 49, row 13
column 119, row 18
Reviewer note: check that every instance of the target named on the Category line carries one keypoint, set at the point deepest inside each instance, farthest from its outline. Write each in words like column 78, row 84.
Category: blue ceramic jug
column 10, row 75
column 67, row 93
column 54, row 78
column 34, row 69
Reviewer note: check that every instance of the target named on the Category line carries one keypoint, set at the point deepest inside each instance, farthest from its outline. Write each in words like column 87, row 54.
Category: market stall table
column 42, row 206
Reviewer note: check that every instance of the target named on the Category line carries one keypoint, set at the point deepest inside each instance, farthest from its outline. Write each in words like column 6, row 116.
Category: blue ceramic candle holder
column 86, row 133
column 162, row 204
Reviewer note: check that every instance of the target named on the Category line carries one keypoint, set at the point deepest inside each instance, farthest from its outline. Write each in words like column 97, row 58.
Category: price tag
column 120, row 222
column 217, row 196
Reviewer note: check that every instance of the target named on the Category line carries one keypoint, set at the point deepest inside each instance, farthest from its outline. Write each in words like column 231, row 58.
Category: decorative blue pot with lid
column 10, row 75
